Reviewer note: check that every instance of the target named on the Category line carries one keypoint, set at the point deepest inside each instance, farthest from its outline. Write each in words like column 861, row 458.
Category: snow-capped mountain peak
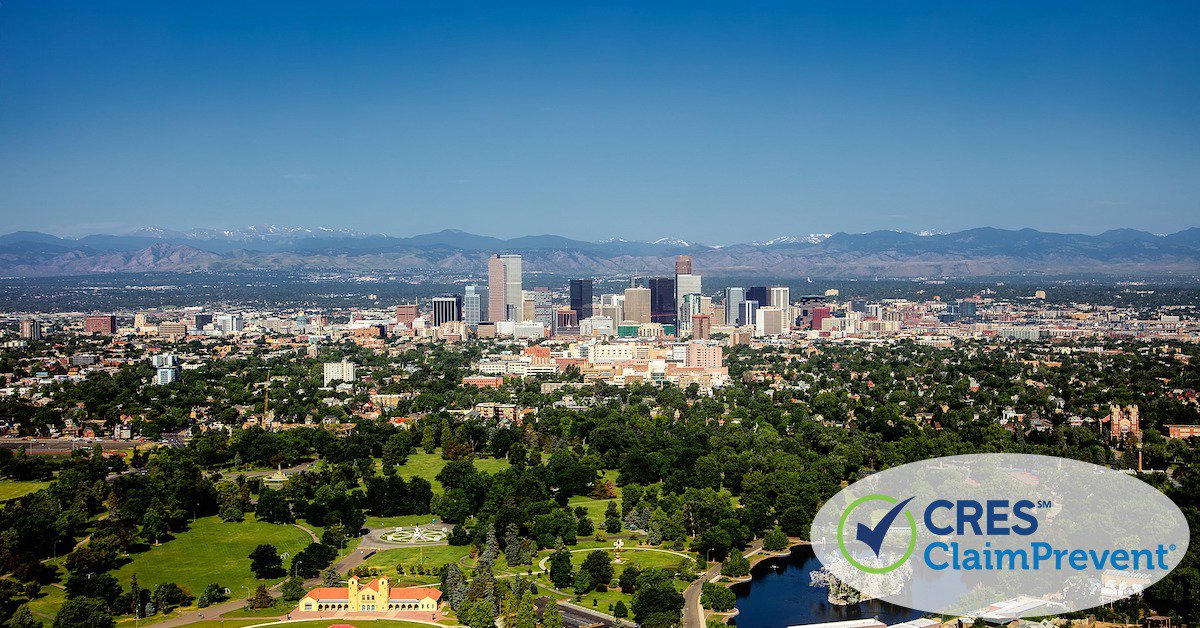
column 812, row 238
column 672, row 242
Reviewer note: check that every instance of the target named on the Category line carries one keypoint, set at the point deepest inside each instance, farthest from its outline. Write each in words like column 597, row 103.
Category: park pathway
column 693, row 613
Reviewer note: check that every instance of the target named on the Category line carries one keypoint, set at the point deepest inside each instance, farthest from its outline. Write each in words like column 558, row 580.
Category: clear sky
column 714, row 122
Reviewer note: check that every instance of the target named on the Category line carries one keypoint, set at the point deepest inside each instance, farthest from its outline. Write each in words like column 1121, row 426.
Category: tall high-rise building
column 818, row 315
column 166, row 375
column 161, row 360
column 505, row 301
column 684, row 285
column 31, row 329
column 637, row 305
column 103, row 324
column 201, row 319
column 446, row 308
column 683, row 265
column 780, row 296
column 760, row 294
column 345, row 371
column 543, row 305
column 663, row 305
column 748, row 312
column 230, row 323
column 693, row 305
column 768, row 321
column 701, row 326
column 781, row 299
column 496, row 310
column 581, row 297
column 166, row 367
column 407, row 313
column 566, row 318
column 734, row 297
column 472, row 305
column 172, row 331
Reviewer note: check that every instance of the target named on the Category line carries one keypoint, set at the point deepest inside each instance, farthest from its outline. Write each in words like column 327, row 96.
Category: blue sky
column 715, row 122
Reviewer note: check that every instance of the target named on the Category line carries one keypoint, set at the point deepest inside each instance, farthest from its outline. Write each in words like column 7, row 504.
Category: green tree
column 561, row 572
column 478, row 614
column 620, row 611
column 552, row 616
column 628, row 579
column 717, row 597
column 526, row 617
column 23, row 618
column 330, row 577
column 292, row 589
column 775, row 541
column 154, row 527
column 736, row 566
column 656, row 600
column 612, row 518
column 84, row 612
column 272, row 507
column 598, row 565
column 168, row 595
column 261, row 598
column 265, row 561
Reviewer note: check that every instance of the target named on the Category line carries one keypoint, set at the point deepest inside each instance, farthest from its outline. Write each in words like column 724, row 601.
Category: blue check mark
column 873, row 537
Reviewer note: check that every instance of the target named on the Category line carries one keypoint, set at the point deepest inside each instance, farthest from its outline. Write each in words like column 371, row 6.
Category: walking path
column 693, row 612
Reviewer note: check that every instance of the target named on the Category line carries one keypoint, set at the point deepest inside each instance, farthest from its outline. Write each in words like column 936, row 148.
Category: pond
column 780, row 595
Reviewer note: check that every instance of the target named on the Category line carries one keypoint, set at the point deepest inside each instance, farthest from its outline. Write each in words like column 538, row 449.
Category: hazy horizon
column 288, row 228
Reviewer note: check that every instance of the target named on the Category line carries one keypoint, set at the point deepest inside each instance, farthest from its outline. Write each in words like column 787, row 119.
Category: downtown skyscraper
column 472, row 305
column 664, row 308
column 581, row 298
column 505, row 299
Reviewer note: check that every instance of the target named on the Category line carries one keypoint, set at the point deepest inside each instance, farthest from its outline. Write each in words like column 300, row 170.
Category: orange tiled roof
column 399, row 593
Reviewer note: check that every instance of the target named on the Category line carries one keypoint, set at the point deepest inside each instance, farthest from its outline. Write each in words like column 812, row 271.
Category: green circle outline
column 912, row 538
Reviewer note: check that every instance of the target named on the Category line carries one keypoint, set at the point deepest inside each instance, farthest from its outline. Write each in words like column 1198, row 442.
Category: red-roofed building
column 374, row 597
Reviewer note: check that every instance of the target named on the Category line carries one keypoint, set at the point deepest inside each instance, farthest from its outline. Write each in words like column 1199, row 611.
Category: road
column 43, row 446
column 693, row 613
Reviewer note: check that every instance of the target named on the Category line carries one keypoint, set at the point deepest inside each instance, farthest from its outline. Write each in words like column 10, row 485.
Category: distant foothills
column 983, row 252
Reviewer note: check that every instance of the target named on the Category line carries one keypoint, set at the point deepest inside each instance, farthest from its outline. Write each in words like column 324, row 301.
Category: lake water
column 777, row 598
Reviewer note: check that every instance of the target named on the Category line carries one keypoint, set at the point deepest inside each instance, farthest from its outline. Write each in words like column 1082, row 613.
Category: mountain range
column 895, row 254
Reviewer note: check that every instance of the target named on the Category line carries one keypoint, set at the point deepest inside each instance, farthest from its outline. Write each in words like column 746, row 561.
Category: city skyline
column 705, row 122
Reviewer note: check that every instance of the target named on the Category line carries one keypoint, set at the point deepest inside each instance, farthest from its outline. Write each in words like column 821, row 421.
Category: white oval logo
column 999, row 536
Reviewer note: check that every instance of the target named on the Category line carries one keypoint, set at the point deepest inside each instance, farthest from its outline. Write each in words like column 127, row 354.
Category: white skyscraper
column 472, row 305
column 344, row 371
column 685, row 285
column 734, row 297
column 230, row 323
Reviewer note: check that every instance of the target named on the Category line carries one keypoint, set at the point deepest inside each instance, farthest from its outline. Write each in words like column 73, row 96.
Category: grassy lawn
column 52, row 598
column 643, row 559
column 601, row 601
column 280, row 608
column 595, row 507
column 427, row 466
column 212, row 551
column 12, row 489
column 435, row 555
column 402, row 520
